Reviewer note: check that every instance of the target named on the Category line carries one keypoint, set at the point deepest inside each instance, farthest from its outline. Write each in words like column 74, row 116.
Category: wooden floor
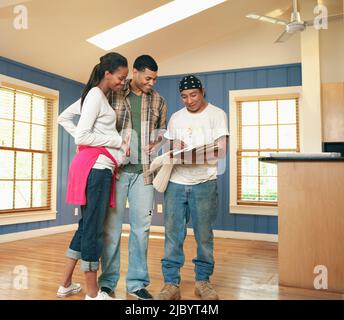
column 243, row 270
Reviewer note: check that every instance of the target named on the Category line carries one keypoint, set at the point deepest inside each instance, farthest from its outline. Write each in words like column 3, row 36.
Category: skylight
column 151, row 21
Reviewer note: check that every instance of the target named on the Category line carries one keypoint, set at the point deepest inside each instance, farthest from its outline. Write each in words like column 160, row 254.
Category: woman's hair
column 109, row 62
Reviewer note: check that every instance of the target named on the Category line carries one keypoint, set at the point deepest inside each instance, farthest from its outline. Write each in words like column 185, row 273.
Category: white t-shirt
column 196, row 129
column 96, row 126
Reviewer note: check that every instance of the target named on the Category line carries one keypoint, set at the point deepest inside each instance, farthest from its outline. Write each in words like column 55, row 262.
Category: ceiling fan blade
column 9, row 3
column 336, row 17
column 284, row 37
column 329, row 18
column 267, row 19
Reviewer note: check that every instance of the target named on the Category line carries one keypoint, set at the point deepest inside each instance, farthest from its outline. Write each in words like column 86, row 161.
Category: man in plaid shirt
column 140, row 112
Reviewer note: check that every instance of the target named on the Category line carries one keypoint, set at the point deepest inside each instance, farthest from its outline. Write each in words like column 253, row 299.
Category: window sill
column 33, row 216
column 253, row 210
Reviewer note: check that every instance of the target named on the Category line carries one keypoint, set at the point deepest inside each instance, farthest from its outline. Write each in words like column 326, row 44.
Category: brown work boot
column 169, row 292
column 205, row 290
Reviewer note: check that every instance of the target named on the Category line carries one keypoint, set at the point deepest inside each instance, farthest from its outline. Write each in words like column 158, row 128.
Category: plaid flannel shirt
column 153, row 117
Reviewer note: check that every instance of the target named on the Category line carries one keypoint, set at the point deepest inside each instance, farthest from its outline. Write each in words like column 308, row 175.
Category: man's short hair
column 145, row 62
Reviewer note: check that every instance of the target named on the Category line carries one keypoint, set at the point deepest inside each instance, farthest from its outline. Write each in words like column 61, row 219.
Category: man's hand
column 177, row 144
column 149, row 149
column 152, row 147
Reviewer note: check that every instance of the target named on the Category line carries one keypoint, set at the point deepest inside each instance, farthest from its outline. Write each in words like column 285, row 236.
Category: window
column 266, row 125
column 26, row 149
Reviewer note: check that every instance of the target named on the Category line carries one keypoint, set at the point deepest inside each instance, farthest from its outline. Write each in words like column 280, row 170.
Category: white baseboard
column 36, row 233
column 126, row 227
column 222, row 234
column 246, row 235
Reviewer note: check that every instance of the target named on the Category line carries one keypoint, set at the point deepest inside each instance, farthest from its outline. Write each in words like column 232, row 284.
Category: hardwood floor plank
column 243, row 269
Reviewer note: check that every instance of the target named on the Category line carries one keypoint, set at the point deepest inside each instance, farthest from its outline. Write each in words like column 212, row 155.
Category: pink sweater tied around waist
column 79, row 170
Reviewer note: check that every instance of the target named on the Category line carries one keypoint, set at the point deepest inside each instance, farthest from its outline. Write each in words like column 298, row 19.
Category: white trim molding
column 256, row 210
column 306, row 141
column 15, row 236
column 225, row 234
column 28, row 85
column 25, row 217
column 34, row 216
column 126, row 227
column 253, row 236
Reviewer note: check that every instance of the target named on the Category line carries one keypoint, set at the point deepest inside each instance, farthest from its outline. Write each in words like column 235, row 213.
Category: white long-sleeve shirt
column 96, row 126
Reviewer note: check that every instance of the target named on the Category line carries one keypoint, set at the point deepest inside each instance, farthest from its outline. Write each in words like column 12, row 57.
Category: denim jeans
column 141, row 199
column 180, row 202
column 87, row 243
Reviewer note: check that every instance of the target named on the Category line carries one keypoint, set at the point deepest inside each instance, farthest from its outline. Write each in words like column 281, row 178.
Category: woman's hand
column 125, row 146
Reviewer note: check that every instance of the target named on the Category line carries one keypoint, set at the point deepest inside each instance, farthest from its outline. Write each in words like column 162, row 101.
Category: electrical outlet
column 159, row 208
column 76, row 211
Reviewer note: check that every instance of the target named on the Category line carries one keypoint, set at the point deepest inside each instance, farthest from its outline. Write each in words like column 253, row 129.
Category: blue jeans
column 87, row 242
column 141, row 199
column 181, row 201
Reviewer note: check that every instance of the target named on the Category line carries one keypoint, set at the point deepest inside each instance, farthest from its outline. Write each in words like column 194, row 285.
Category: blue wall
column 217, row 84
column 69, row 92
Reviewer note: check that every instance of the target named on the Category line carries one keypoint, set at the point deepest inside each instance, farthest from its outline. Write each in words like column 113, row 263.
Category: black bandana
column 189, row 82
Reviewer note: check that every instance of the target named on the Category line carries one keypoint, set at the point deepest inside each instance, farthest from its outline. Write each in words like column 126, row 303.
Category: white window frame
column 307, row 127
column 43, row 215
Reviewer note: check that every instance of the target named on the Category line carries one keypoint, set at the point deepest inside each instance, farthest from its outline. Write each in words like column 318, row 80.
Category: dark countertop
column 290, row 159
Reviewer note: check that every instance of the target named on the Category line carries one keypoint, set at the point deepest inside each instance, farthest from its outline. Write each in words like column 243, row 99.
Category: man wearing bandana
column 192, row 189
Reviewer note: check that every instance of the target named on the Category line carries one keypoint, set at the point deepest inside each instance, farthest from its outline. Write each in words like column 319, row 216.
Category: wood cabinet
column 311, row 223
column 332, row 100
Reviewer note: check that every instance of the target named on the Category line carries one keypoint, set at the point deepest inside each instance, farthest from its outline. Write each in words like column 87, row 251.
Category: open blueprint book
column 208, row 149
column 165, row 164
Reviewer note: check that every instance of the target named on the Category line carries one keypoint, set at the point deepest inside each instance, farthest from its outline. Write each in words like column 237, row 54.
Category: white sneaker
column 101, row 296
column 74, row 288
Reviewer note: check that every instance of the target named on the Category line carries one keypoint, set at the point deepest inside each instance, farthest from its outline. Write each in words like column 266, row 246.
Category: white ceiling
column 55, row 40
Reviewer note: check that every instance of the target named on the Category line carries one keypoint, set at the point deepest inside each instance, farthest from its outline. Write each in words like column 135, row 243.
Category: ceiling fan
column 9, row 3
column 294, row 25
column 7, row 6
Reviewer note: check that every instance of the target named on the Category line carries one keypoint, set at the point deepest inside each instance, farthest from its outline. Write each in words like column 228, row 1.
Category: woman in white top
column 90, row 180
